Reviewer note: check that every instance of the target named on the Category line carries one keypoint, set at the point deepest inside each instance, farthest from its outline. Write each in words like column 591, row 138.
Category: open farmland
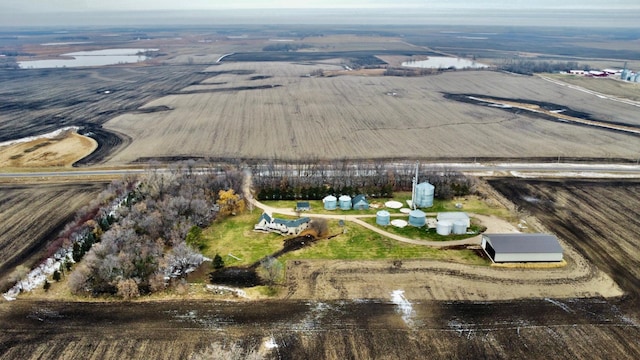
column 274, row 110
column 31, row 215
column 600, row 219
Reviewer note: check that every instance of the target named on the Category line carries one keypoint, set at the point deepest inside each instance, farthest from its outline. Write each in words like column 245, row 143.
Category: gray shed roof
column 292, row 223
column 359, row 198
column 524, row 243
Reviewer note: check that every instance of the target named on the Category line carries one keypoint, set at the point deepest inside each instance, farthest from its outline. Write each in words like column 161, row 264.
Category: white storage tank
column 344, row 202
column 459, row 227
column 444, row 227
column 424, row 195
column 383, row 218
column 330, row 202
column 417, row 218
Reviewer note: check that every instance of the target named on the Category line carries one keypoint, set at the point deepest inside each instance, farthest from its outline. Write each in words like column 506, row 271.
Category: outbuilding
column 519, row 247
column 303, row 206
column 360, row 203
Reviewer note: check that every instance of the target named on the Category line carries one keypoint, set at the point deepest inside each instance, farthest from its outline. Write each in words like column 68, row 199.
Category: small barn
column 360, row 203
column 303, row 206
column 519, row 247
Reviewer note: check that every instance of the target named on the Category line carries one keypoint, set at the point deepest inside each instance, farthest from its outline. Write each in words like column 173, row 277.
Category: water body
column 89, row 58
column 443, row 62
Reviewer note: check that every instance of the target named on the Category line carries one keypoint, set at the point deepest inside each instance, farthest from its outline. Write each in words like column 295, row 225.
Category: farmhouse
column 520, row 247
column 281, row 226
column 360, row 203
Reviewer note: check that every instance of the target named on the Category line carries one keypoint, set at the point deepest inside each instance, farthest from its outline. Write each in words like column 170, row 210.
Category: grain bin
column 344, row 202
column 424, row 195
column 330, row 202
column 417, row 218
column 383, row 218
column 459, row 227
column 444, row 227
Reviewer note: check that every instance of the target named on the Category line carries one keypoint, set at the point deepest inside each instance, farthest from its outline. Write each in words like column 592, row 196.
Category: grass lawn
column 235, row 236
column 361, row 244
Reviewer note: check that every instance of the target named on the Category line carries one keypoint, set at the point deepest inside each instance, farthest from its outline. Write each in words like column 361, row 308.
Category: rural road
column 553, row 169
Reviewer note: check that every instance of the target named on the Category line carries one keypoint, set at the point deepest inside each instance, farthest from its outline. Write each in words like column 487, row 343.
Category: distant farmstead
column 282, row 226
column 520, row 247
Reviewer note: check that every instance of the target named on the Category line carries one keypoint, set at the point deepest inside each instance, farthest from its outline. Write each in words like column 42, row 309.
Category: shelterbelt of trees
column 314, row 181
column 133, row 239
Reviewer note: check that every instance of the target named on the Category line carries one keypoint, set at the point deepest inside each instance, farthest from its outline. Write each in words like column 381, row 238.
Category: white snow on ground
column 559, row 304
column 34, row 279
column 404, row 306
column 270, row 343
column 50, row 135
column 573, row 174
column 239, row 292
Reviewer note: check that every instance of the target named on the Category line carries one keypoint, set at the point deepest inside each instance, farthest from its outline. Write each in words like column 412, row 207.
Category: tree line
column 315, row 180
column 136, row 246
column 529, row 67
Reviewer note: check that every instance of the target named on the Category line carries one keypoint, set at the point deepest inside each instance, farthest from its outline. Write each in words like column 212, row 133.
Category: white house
column 282, row 226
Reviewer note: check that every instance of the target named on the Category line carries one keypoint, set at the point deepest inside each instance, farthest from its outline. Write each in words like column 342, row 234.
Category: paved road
column 552, row 168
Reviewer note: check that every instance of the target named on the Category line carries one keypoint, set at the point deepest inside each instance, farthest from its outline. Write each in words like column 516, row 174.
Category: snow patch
column 50, row 135
column 404, row 306
column 559, row 304
column 270, row 343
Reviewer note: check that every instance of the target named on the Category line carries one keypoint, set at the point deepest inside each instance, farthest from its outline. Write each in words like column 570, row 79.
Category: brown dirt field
column 61, row 151
column 32, row 215
column 290, row 116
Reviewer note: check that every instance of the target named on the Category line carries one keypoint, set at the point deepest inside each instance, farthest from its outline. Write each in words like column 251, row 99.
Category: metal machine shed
column 519, row 247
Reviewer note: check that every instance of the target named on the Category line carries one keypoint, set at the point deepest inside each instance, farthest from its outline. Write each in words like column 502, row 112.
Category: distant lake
column 443, row 62
column 89, row 58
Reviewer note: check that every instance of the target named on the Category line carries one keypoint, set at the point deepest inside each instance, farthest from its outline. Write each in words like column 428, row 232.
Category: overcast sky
column 102, row 5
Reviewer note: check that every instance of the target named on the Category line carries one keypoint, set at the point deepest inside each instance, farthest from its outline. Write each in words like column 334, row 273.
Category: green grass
column 235, row 235
column 361, row 244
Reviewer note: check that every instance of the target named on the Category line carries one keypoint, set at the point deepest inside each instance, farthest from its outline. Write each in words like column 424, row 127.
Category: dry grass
column 62, row 151
column 351, row 116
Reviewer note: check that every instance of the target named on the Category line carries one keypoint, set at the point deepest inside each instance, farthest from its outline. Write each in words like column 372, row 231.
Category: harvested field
column 600, row 219
column 574, row 329
column 32, row 215
column 614, row 87
column 302, row 117
column 61, row 151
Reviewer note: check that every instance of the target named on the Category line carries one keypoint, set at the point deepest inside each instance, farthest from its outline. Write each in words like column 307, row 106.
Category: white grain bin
column 330, row 202
column 459, row 227
column 444, row 227
column 344, row 202
column 424, row 195
column 417, row 218
column 383, row 218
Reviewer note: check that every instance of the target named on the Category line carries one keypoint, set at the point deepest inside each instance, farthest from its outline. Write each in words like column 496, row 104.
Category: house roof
column 524, row 243
column 292, row 223
column 359, row 198
column 266, row 217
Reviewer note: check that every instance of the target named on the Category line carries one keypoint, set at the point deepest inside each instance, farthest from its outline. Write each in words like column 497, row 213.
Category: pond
column 89, row 58
column 443, row 62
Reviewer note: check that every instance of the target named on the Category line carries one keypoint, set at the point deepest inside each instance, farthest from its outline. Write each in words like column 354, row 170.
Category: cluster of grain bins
column 628, row 75
column 455, row 222
column 345, row 202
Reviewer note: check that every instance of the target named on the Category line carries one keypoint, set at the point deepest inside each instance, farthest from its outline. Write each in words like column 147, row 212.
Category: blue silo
column 330, row 202
column 383, row 218
column 417, row 218
column 424, row 195
column 344, row 202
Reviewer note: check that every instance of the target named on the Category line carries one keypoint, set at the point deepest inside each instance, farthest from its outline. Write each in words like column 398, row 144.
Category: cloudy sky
column 127, row 5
